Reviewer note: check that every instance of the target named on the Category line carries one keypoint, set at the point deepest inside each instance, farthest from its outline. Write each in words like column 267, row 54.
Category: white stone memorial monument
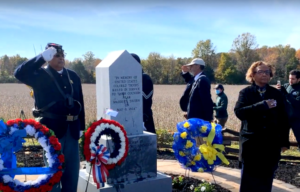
column 119, row 87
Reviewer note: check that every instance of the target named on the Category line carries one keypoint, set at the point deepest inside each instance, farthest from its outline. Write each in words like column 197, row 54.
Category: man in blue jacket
column 58, row 105
column 196, row 100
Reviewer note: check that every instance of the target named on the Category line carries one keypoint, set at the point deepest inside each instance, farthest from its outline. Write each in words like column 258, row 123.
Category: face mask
column 217, row 91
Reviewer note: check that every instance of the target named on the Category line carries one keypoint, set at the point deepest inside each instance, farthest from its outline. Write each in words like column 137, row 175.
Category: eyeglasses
column 60, row 55
column 260, row 72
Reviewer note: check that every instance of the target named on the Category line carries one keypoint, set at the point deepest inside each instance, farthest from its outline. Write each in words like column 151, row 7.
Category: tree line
column 226, row 67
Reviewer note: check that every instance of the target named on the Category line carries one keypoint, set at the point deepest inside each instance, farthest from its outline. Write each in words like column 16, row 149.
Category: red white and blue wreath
column 101, row 159
column 11, row 138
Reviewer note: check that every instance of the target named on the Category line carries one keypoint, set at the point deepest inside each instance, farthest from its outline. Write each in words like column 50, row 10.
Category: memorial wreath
column 101, row 159
column 11, row 138
column 205, row 157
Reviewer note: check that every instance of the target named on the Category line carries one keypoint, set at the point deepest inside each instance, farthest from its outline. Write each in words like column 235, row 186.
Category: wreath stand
column 32, row 147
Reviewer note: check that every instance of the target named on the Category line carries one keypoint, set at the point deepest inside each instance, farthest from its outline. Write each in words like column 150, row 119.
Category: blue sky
column 168, row 27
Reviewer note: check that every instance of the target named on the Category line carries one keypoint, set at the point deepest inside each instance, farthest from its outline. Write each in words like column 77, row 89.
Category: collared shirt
column 60, row 72
column 197, row 76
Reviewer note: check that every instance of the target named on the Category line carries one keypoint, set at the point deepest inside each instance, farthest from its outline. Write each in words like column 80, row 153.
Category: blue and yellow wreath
column 205, row 157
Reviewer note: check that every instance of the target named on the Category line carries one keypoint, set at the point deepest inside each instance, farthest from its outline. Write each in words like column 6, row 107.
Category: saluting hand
column 49, row 53
column 185, row 68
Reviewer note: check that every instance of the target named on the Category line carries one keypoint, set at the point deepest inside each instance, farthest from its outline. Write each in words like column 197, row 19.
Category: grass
column 292, row 152
column 30, row 142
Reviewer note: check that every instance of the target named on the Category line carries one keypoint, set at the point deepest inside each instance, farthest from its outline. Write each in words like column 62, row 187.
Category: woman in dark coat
column 264, row 132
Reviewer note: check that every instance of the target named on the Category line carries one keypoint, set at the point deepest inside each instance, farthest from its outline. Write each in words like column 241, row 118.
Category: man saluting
column 58, row 105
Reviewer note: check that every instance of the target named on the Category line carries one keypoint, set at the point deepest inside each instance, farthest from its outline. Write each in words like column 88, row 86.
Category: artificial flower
column 197, row 157
column 203, row 129
column 186, row 125
column 183, row 135
column 188, row 144
column 203, row 188
column 61, row 158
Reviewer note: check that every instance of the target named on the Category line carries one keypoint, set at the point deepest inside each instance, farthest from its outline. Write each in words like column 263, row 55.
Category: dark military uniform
column 46, row 92
column 57, row 111
column 147, row 85
column 147, row 103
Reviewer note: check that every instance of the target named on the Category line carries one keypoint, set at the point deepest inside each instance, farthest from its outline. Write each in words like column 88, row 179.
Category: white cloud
column 293, row 38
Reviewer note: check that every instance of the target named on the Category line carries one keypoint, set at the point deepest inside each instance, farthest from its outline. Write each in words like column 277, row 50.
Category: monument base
column 161, row 183
column 140, row 162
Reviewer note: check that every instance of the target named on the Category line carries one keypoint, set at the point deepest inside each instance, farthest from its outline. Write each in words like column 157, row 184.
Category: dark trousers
column 257, row 180
column 296, row 129
column 69, row 179
column 221, row 121
column 149, row 123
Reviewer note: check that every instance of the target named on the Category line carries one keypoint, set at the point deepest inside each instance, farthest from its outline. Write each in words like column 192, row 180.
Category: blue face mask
column 217, row 91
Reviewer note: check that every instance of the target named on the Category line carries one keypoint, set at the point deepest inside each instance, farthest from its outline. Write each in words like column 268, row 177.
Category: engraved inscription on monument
column 126, row 95
column 119, row 87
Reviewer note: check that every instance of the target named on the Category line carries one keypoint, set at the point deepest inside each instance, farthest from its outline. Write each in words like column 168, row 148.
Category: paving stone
column 228, row 178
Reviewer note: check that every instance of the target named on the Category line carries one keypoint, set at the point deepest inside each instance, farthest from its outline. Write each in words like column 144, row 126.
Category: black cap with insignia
column 56, row 46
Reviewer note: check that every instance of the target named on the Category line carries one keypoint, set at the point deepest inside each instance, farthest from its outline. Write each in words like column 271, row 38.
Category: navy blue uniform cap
column 56, row 46
column 137, row 58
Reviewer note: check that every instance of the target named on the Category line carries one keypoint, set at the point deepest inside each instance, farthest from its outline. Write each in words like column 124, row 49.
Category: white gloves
column 49, row 53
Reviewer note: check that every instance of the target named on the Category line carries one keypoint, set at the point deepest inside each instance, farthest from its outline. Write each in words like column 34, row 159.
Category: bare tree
column 88, row 61
column 244, row 47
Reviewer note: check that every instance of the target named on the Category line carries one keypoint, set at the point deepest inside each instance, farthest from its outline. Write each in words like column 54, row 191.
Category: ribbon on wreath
column 100, row 172
column 10, row 142
column 210, row 151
